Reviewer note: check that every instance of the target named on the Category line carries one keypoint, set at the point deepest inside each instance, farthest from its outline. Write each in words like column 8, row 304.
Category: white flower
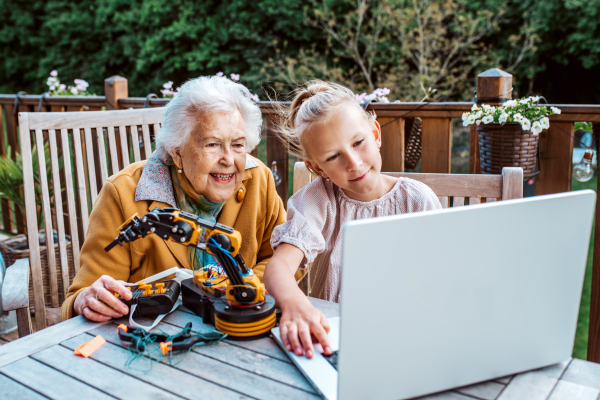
column 478, row 122
column 384, row 99
column 545, row 122
column 61, row 87
column 535, row 98
column 361, row 97
column 74, row 91
column 168, row 85
column 517, row 117
column 54, row 73
column 510, row 103
column 474, row 108
column 219, row 74
column 478, row 115
column 523, row 101
column 536, row 128
column 81, row 85
column 555, row 110
column 52, row 88
column 469, row 121
column 52, row 81
column 503, row 117
column 526, row 124
column 235, row 77
column 486, row 107
column 487, row 119
column 464, row 116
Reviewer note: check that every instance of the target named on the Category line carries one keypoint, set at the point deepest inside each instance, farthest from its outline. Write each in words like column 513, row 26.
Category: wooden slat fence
column 556, row 146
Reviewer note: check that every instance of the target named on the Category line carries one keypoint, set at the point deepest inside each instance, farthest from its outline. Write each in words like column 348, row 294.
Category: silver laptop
column 436, row 300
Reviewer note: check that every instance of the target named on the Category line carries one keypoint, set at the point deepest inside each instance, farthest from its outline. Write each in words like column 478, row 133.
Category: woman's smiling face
column 214, row 158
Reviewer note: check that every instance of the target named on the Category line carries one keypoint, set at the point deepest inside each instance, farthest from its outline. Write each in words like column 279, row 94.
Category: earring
column 179, row 170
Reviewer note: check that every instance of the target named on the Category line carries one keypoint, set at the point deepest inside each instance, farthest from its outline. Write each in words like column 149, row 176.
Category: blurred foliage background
column 551, row 47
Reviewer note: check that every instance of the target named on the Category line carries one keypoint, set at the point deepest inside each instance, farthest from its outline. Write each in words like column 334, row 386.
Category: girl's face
column 346, row 150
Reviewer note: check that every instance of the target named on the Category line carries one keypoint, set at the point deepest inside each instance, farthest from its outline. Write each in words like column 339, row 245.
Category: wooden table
column 43, row 365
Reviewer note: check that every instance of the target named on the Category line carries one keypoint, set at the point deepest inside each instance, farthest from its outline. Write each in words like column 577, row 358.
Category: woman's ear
column 314, row 167
column 377, row 133
column 176, row 156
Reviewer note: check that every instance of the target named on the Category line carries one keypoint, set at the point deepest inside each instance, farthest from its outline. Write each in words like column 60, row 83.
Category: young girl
column 339, row 141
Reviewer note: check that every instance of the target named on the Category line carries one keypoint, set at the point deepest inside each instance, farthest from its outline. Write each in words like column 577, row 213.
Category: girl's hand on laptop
column 299, row 319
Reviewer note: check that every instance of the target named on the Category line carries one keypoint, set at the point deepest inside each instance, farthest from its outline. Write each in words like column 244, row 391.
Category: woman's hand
column 299, row 319
column 98, row 302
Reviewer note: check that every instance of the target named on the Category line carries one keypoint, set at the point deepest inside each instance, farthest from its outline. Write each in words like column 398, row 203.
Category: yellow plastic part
column 124, row 224
column 246, row 329
column 235, row 238
column 197, row 229
column 160, row 288
column 253, row 281
column 147, row 289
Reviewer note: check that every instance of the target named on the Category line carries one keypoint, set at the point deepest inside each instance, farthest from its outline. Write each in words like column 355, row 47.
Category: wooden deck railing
column 556, row 146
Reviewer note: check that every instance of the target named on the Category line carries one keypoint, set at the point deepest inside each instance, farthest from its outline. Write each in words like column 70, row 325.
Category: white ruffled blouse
column 317, row 212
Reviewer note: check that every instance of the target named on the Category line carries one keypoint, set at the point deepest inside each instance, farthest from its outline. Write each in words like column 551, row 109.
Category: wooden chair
column 102, row 143
column 453, row 190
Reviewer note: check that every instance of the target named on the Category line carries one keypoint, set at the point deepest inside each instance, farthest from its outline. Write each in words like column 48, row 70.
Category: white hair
column 201, row 96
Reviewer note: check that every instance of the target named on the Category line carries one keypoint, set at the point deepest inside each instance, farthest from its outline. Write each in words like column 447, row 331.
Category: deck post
column 494, row 86
column 115, row 88
column 593, row 353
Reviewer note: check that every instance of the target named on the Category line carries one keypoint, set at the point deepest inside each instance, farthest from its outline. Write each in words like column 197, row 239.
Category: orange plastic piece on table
column 88, row 348
column 165, row 347
column 160, row 288
column 122, row 326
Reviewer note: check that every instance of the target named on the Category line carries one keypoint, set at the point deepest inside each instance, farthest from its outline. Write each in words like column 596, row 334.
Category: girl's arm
column 299, row 318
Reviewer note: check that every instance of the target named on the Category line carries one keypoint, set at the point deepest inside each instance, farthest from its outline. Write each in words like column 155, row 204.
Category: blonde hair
column 314, row 103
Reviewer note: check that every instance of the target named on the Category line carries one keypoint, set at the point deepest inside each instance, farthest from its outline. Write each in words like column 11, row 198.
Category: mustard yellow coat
column 255, row 217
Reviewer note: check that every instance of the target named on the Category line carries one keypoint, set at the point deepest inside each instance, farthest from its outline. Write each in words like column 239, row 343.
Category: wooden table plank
column 258, row 364
column 582, row 372
column 445, row 396
column 14, row 390
column 221, row 373
column 485, row 390
column 161, row 375
column 266, row 346
column 328, row 308
column 98, row 375
column 248, row 360
column 530, row 385
column 48, row 337
column 49, row 381
column 504, row 380
column 565, row 390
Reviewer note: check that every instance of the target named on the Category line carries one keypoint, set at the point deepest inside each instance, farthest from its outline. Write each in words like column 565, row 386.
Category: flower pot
column 507, row 146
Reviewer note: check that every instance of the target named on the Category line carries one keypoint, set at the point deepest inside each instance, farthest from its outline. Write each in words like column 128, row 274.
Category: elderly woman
column 200, row 166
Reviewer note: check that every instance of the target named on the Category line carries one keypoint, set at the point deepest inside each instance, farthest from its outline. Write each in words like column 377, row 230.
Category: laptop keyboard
column 333, row 359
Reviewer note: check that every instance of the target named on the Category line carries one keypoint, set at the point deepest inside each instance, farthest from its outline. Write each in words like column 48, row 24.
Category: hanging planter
column 507, row 146
column 509, row 134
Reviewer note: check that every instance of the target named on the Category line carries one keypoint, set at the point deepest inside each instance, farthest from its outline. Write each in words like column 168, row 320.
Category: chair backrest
column 84, row 148
column 453, row 190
